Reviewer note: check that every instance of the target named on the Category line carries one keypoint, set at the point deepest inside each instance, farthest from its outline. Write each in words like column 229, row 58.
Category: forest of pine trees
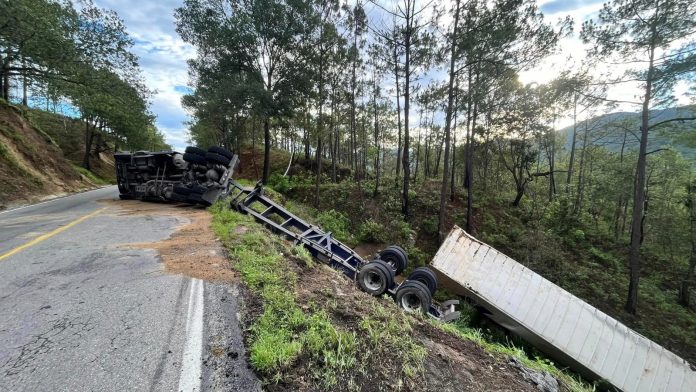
column 406, row 92
column 58, row 56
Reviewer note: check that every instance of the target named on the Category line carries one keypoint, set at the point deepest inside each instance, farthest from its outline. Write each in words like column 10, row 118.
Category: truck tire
column 195, row 150
column 194, row 158
column 395, row 258
column 375, row 278
column 413, row 296
column 221, row 151
column 400, row 249
column 217, row 158
column 425, row 276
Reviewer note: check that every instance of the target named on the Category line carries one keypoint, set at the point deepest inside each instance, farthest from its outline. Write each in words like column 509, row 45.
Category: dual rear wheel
column 413, row 295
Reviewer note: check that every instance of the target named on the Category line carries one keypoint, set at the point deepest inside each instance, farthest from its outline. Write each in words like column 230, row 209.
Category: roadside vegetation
column 33, row 165
column 77, row 60
column 581, row 257
column 309, row 328
column 425, row 107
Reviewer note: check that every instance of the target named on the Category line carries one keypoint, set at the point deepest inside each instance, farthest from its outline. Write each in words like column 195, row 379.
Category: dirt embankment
column 32, row 165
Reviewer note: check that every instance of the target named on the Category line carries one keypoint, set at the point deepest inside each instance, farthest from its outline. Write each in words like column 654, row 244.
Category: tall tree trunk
column 581, row 172
column 353, row 81
column 519, row 193
column 89, row 138
column 572, row 144
column 318, row 173
column 333, row 135
column 6, row 75
column 320, row 120
column 418, row 148
column 448, row 122
column 267, row 138
column 634, row 260
column 454, row 138
column 552, row 163
column 470, row 169
column 266, row 150
column 398, row 115
column 426, row 158
column 439, row 155
column 25, row 83
column 407, row 94
column 376, row 190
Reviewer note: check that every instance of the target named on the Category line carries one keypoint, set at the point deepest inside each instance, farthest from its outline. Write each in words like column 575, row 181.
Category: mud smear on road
column 192, row 250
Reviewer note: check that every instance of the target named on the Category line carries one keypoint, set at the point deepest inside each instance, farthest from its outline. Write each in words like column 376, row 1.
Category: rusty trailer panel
column 563, row 326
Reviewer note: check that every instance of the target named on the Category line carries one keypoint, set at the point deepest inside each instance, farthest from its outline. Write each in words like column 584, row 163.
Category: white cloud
column 163, row 56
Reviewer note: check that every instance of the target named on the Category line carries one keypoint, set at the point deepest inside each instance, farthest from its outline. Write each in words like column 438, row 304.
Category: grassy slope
column 32, row 163
column 68, row 133
column 583, row 261
column 311, row 328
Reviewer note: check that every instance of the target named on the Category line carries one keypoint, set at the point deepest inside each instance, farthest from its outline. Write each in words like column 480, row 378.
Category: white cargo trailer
column 563, row 326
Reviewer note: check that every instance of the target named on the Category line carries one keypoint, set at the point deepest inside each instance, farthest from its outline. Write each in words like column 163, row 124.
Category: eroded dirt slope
column 32, row 165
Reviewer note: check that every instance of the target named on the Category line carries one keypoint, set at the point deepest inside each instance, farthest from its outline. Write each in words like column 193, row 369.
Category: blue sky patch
column 183, row 89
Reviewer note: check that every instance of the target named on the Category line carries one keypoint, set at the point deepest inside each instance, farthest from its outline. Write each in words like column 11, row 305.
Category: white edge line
column 54, row 199
column 190, row 377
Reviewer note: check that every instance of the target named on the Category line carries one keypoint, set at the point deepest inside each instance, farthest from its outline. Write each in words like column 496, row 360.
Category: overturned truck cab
column 197, row 176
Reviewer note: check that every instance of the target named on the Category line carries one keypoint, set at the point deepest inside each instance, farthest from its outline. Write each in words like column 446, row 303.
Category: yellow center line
column 50, row 234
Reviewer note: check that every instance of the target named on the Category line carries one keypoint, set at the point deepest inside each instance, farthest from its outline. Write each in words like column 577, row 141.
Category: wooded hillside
column 403, row 95
column 76, row 59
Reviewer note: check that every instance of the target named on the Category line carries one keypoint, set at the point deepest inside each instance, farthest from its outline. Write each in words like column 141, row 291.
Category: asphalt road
column 82, row 311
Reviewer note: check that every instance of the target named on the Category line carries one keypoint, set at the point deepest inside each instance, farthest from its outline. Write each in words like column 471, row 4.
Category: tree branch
column 671, row 120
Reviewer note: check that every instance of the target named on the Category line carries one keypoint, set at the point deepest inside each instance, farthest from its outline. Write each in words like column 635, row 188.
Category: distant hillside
column 32, row 163
column 608, row 130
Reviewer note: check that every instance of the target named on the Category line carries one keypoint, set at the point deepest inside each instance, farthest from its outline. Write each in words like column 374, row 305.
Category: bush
column 577, row 236
column 607, row 259
column 279, row 183
column 430, row 225
column 335, row 222
column 371, row 231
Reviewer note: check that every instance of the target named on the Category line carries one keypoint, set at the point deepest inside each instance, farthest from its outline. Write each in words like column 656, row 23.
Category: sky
column 163, row 55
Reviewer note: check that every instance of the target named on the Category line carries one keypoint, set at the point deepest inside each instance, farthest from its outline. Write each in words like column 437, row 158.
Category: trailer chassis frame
column 320, row 244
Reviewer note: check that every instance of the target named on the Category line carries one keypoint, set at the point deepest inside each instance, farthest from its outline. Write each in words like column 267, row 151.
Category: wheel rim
column 373, row 281
column 411, row 302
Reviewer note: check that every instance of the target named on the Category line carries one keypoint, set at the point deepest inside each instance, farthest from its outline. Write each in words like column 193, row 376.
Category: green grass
column 283, row 331
column 92, row 177
column 287, row 335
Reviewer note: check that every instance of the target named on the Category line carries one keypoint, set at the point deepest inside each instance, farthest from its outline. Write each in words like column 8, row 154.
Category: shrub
column 607, row 259
column 335, row 222
column 371, row 231
column 279, row 183
column 429, row 225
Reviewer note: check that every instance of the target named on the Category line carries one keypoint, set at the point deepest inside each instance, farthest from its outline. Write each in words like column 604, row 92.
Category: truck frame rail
column 324, row 247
